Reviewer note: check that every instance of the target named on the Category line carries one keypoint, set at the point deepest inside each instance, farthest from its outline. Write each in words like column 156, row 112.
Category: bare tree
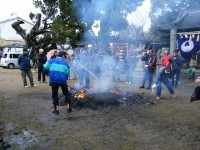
column 31, row 37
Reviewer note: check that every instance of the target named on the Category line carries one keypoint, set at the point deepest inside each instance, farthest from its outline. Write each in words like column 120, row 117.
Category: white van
column 10, row 60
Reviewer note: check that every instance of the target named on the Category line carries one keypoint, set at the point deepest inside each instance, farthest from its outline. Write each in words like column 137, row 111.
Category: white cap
column 41, row 50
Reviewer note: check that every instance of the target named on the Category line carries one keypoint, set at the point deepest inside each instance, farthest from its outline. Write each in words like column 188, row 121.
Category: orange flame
column 80, row 94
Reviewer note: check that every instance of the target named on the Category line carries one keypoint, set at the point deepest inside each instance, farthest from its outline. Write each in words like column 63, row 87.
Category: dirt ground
column 26, row 121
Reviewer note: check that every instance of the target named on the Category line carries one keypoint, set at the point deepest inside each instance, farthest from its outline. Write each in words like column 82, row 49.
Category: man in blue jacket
column 162, row 76
column 58, row 70
column 25, row 67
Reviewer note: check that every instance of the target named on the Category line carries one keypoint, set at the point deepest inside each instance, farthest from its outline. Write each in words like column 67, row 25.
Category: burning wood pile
column 113, row 97
column 80, row 94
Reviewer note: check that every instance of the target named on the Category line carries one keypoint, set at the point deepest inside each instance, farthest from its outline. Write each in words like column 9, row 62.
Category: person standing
column 84, row 63
column 130, row 65
column 162, row 76
column 176, row 67
column 73, row 70
column 41, row 60
column 58, row 70
column 97, row 63
column 192, row 66
column 166, row 59
column 150, row 66
column 114, row 67
column 55, row 54
column 25, row 67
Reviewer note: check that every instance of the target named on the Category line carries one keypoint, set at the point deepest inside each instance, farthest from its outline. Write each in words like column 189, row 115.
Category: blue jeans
column 167, row 84
column 115, row 73
column 84, row 75
column 97, row 71
column 177, row 74
column 148, row 75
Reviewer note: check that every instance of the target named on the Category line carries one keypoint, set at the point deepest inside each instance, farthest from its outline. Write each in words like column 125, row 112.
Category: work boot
column 69, row 108
column 56, row 110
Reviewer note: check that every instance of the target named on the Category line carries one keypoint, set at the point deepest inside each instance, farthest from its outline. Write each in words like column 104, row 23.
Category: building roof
column 16, row 18
column 187, row 19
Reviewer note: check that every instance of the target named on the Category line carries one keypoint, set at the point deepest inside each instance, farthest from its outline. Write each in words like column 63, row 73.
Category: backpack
column 196, row 95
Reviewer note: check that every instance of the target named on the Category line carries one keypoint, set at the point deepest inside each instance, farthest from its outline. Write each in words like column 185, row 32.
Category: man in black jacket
column 41, row 60
column 150, row 66
column 176, row 67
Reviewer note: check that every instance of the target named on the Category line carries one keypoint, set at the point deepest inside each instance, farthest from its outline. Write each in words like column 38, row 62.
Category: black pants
column 65, row 92
column 40, row 72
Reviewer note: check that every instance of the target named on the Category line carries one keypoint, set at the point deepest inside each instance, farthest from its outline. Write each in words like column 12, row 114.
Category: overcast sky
column 23, row 7
column 141, row 16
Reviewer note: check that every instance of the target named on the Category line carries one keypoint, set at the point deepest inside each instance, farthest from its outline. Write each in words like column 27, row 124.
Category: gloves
column 154, row 86
column 145, row 66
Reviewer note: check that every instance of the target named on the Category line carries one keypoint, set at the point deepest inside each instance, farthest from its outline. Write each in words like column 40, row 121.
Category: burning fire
column 80, row 94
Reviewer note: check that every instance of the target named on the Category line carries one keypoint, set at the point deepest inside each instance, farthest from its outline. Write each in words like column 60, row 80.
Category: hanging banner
column 188, row 46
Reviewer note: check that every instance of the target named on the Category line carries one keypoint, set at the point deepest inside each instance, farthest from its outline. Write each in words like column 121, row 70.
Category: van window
column 5, row 56
column 15, row 56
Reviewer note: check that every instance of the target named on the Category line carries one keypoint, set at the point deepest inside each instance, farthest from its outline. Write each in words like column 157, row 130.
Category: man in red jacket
column 166, row 59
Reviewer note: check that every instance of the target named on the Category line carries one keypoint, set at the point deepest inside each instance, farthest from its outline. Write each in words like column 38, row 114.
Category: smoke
column 102, row 63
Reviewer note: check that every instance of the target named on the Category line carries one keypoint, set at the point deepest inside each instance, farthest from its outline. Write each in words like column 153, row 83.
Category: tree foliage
column 71, row 20
column 111, row 13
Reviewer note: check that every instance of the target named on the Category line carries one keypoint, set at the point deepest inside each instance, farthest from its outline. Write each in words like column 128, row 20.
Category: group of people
column 100, row 65
column 168, row 73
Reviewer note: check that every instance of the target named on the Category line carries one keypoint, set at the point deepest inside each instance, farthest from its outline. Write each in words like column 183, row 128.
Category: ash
column 106, row 99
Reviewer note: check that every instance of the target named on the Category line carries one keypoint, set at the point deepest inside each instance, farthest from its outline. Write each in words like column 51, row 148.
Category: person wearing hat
column 58, row 70
column 25, row 67
column 41, row 60
column 162, row 76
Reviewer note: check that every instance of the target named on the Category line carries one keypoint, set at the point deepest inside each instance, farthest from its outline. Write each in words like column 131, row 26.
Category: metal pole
column 88, row 71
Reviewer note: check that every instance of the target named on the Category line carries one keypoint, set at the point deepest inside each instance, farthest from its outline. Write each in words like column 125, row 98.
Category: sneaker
column 69, row 110
column 173, row 95
column 141, row 87
column 45, row 82
column 126, row 82
column 39, row 81
column 157, row 98
column 34, row 85
column 26, row 86
column 130, row 83
column 55, row 111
